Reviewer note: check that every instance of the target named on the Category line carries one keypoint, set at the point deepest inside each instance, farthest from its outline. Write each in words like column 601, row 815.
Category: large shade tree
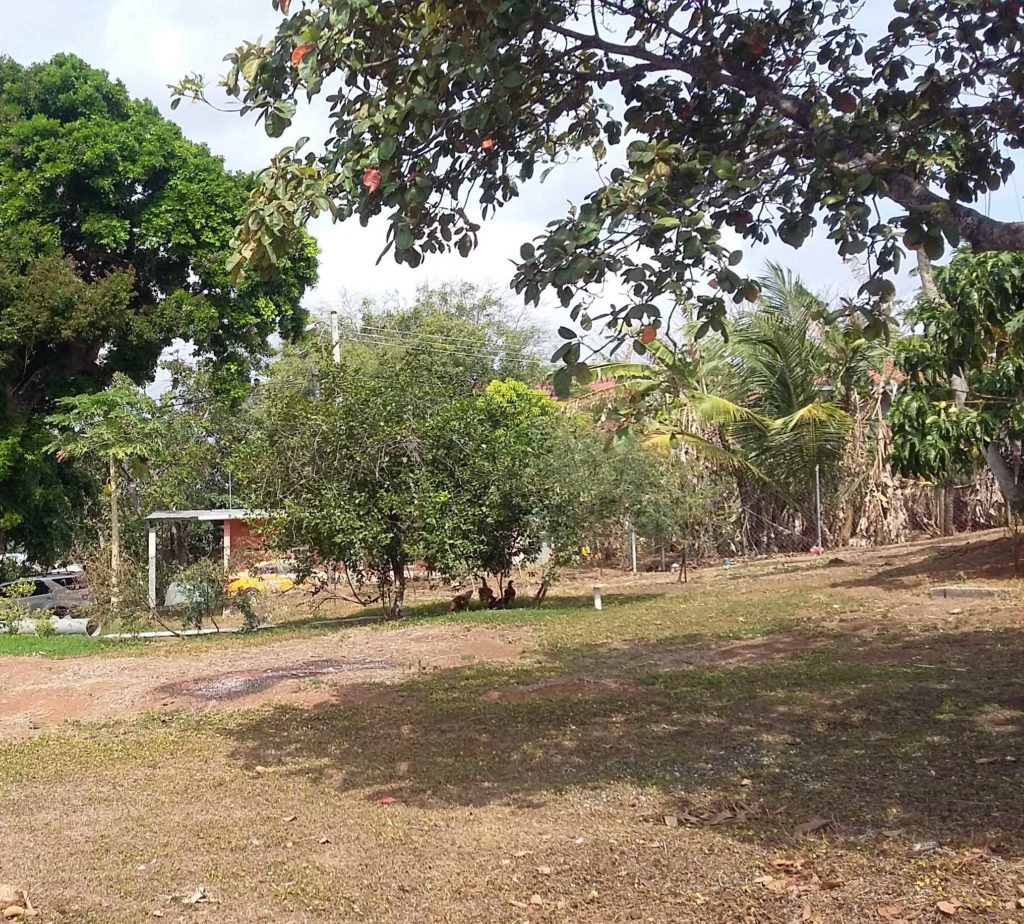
column 114, row 236
column 749, row 122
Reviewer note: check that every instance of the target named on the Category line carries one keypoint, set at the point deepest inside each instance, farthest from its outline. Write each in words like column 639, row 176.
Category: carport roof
column 230, row 513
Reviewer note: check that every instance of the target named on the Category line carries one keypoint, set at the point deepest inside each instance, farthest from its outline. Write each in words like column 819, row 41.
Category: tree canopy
column 960, row 406
column 114, row 236
column 405, row 451
column 747, row 122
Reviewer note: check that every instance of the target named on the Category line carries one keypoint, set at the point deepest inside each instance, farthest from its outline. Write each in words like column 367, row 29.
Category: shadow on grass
column 909, row 734
column 957, row 559
column 521, row 613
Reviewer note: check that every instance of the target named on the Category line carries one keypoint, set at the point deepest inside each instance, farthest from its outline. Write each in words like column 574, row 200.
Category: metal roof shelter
column 227, row 516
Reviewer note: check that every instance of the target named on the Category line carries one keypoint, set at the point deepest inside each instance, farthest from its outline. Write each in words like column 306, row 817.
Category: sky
column 149, row 44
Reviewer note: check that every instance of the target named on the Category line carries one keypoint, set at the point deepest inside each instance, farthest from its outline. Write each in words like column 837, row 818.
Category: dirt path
column 36, row 693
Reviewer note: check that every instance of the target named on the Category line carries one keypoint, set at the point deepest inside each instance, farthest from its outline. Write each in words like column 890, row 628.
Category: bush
column 11, row 611
column 203, row 587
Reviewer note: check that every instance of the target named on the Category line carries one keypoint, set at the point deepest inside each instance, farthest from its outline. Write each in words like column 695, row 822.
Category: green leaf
column 723, row 168
column 526, row 251
column 561, row 381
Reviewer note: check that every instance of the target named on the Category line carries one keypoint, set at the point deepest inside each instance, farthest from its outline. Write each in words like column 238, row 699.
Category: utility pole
column 335, row 338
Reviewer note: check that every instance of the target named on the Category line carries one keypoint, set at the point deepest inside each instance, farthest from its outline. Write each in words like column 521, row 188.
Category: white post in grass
column 632, row 547
column 817, row 495
column 597, row 596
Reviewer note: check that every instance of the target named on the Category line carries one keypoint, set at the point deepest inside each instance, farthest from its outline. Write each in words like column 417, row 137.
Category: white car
column 58, row 593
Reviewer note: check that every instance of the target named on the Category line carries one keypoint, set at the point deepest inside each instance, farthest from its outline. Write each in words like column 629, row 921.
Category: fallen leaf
column 157, row 913
column 790, row 865
column 289, row 818
column 536, row 900
column 988, row 760
column 195, row 898
column 325, row 840
column 832, row 883
column 772, row 884
column 516, row 904
column 519, row 854
column 544, row 870
column 809, row 827
column 889, row 912
column 672, row 821
column 922, row 847
column 1020, row 902
column 948, row 908
column 386, row 800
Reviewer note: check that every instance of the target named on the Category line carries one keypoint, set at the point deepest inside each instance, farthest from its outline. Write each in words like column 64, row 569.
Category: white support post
column 597, row 596
column 227, row 544
column 152, row 566
column 335, row 338
column 632, row 547
column 817, row 496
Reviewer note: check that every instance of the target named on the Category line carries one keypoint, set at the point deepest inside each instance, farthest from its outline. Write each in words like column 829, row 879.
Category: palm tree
column 775, row 400
column 666, row 399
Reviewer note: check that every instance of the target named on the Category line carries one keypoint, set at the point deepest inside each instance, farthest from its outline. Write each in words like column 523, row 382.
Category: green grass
column 63, row 646
column 563, row 621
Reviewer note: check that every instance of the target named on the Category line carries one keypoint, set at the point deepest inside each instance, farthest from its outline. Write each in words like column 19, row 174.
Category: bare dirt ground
column 36, row 693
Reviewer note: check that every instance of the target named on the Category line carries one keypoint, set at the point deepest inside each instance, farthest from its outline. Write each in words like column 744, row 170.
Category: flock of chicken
column 489, row 600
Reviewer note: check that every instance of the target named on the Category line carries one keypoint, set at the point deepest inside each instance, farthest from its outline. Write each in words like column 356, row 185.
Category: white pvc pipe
column 66, row 626
column 597, row 596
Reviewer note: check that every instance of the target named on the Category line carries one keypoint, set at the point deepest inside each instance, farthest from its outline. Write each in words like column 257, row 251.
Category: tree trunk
column 1012, row 491
column 115, row 539
column 948, row 519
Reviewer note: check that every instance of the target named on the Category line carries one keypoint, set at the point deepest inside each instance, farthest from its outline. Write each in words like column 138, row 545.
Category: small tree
column 117, row 427
column 406, row 450
column 494, row 465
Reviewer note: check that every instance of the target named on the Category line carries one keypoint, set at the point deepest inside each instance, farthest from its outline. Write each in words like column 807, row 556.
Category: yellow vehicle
column 265, row 577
